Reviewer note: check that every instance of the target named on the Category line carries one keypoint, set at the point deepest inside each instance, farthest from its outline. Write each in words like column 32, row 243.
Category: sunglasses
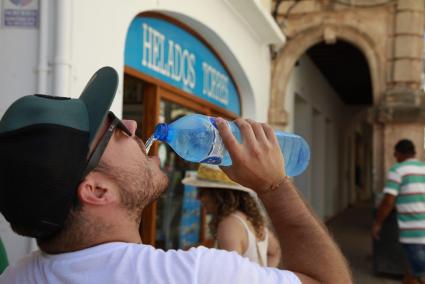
column 115, row 123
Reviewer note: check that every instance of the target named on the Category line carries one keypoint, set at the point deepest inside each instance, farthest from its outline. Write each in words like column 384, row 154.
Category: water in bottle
column 195, row 138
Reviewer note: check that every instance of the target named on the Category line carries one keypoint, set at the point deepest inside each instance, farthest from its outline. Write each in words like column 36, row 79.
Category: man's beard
column 138, row 185
column 138, row 192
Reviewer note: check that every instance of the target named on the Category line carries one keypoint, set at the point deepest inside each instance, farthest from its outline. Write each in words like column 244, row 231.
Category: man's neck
column 85, row 234
column 407, row 159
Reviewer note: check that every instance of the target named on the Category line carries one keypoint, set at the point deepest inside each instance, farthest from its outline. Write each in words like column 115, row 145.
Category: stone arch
column 300, row 43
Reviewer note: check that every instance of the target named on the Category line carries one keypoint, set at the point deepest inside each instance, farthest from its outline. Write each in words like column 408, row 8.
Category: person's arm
column 273, row 250
column 391, row 190
column 385, row 208
column 231, row 235
column 258, row 163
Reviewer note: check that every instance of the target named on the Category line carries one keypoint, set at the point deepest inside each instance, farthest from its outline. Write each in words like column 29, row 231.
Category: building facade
column 349, row 79
column 173, row 58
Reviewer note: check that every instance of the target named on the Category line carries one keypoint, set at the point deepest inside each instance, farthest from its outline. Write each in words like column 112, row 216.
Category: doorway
column 176, row 220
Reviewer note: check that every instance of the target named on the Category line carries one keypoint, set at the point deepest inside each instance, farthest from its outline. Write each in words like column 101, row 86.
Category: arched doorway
column 328, row 94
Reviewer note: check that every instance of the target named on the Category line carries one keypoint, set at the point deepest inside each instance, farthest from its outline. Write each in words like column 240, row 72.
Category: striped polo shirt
column 406, row 180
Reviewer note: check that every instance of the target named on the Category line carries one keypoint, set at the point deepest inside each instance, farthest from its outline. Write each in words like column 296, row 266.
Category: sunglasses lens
column 124, row 128
column 119, row 124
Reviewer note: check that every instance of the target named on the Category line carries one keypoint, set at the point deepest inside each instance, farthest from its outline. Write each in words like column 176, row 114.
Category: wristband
column 275, row 186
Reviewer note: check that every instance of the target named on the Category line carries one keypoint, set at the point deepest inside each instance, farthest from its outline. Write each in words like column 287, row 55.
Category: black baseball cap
column 44, row 143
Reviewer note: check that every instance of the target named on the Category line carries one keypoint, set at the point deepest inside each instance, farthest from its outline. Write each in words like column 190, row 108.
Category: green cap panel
column 98, row 96
column 38, row 109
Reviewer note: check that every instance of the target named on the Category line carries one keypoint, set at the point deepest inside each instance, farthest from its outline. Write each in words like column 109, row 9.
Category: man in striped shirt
column 405, row 188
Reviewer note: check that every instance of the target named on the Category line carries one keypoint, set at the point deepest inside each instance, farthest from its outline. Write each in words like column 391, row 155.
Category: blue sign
column 191, row 218
column 169, row 53
column 20, row 13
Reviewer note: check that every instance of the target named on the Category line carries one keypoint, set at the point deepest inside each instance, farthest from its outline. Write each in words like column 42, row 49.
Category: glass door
column 176, row 220
column 178, row 210
column 133, row 101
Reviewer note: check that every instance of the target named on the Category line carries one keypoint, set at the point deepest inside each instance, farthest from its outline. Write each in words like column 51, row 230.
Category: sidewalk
column 351, row 230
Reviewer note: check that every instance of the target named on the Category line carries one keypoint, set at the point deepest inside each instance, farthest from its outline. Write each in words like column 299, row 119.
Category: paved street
column 351, row 229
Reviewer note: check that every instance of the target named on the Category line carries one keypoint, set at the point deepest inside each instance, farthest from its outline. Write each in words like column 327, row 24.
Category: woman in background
column 237, row 223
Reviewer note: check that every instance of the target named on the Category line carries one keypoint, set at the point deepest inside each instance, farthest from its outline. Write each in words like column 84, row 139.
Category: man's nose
column 131, row 125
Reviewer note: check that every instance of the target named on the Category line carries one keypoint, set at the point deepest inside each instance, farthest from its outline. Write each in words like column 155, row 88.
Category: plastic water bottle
column 195, row 138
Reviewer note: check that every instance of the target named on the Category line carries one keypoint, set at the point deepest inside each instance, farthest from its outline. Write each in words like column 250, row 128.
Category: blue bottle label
column 213, row 122
column 212, row 161
column 215, row 156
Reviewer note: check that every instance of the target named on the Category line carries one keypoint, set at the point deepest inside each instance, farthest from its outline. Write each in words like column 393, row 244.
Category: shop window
column 178, row 209
column 133, row 104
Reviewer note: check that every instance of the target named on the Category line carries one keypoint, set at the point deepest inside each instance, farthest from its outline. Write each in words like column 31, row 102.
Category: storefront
column 171, row 71
column 173, row 58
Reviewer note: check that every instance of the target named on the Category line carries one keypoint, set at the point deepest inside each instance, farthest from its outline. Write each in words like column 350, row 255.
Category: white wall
column 18, row 64
column 319, row 163
column 303, row 123
column 317, row 113
column 97, row 36
column 307, row 81
column 18, row 51
column 246, row 58
column 332, row 175
column 94, row 36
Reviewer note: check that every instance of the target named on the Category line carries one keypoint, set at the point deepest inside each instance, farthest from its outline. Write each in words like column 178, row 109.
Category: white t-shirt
column 135, row 263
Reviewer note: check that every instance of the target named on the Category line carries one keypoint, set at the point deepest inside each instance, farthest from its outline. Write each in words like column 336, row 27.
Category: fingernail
column 219, row 120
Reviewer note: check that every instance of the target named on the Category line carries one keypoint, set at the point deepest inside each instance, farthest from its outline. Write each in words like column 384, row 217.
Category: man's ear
column 96, row 189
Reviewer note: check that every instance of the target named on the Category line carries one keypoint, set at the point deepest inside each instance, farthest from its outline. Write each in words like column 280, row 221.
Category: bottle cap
column 161, row 132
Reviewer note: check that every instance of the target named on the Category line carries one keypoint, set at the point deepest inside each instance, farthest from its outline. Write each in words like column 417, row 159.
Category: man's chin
column 160, row 186
column 164, row 185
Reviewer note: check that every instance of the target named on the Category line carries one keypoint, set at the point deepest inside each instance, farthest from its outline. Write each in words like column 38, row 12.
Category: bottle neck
column 161, row 132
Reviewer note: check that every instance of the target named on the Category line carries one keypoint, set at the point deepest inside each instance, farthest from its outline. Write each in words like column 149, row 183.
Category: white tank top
column 256, row 250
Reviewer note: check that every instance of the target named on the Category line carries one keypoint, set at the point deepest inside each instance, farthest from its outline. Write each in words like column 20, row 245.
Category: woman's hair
column 229, row 201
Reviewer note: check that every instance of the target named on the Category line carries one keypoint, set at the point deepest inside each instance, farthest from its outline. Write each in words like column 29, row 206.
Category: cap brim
column 98, row 96
column 194, row 181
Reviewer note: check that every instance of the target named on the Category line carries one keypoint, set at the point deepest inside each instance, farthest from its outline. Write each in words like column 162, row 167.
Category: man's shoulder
column 101, row 261
column 141, row 262
column 409, row 165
